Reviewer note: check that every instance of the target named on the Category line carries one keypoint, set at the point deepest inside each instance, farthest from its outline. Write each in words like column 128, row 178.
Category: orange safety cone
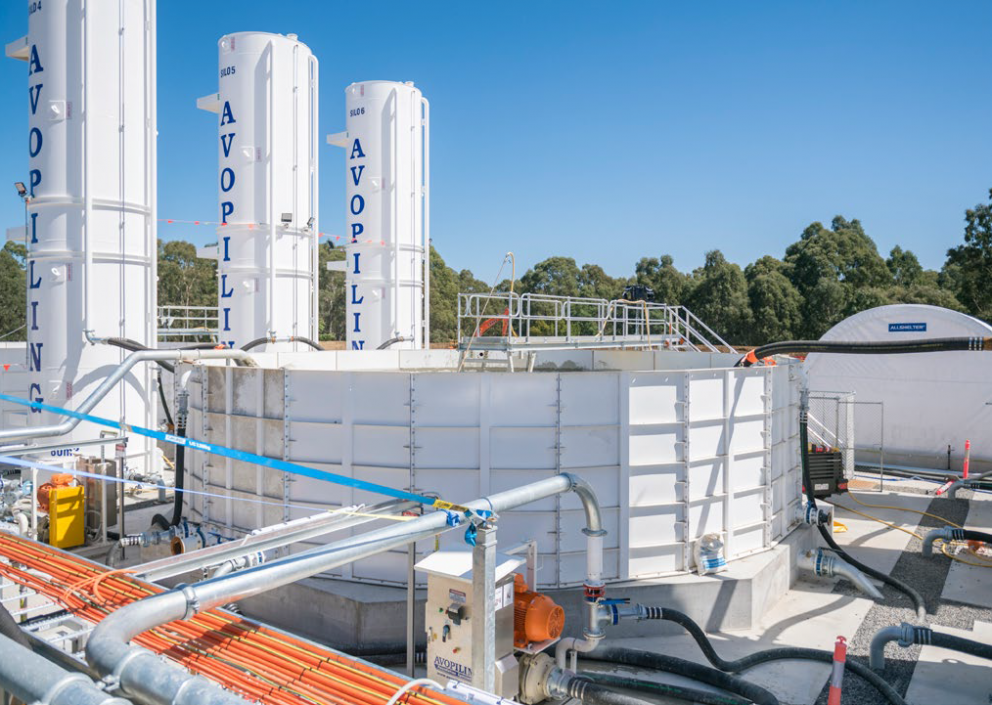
column 837, row 677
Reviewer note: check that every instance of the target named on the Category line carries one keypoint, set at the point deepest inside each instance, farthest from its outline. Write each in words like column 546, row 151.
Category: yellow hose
column 943, row 544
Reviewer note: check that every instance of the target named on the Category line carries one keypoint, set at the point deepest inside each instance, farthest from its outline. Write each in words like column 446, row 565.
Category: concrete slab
column 971, row 676
column 871, row 542
column 809, row 615
column 968, row 584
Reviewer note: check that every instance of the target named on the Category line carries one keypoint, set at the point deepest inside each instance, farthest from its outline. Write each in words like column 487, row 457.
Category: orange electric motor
column 536, row 617
column 60, row 480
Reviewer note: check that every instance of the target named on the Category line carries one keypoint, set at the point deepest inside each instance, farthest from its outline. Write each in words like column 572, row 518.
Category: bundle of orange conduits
column 255, row 661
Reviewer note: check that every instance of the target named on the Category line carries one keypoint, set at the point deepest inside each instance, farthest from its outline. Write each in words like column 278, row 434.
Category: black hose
column 391, row 341
column 583, row 689
column 161, row 522
column 165, row 405
column 909, row 591
column 292, row 339
column 971, row 535
column 665, row 690
column 688, row 669
column 827, row 535
column 965, row 646
column 135, row 346
column 789, row 347
column 780, row 654
column 180, row 483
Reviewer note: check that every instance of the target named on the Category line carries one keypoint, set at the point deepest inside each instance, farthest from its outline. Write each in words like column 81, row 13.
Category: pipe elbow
column 905, row 634
column 594, row 519
column 946, row 534
column 574, row 646
column 876, row 656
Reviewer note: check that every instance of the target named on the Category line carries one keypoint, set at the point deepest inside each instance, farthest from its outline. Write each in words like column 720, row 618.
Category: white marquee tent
column 929, row 401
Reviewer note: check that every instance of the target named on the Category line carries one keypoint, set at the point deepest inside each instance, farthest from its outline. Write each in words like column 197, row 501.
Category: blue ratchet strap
column 225, row 452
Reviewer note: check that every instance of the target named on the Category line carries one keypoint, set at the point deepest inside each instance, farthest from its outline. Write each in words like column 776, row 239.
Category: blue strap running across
column 222, row 451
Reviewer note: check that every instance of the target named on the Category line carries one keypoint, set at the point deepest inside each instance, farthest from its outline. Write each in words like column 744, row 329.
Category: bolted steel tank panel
column 672, row 454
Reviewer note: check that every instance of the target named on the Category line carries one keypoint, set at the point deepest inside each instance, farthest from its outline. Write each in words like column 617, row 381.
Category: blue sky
column 611, row 131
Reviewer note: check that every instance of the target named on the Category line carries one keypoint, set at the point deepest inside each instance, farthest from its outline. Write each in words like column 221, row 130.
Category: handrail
column 615, row 321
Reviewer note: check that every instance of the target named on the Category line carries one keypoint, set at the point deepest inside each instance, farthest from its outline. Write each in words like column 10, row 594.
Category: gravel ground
column 927, row 575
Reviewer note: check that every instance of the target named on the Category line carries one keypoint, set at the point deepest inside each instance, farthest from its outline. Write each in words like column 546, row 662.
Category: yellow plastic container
column 66, row 517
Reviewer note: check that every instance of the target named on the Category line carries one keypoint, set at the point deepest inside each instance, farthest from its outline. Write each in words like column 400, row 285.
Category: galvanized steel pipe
column 34, row 679
column 144, row 676
column 19, row 434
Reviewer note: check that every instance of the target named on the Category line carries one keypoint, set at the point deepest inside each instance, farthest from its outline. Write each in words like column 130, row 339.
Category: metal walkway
column 522, row 322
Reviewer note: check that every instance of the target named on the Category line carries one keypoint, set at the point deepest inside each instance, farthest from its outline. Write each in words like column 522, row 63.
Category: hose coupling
column 815, row 516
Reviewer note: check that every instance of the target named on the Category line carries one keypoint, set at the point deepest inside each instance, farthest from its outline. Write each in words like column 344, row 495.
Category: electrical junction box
column 449, row 615
column 66, row 517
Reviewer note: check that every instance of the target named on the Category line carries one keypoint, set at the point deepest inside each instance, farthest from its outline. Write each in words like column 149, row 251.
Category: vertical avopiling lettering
column 34, row 62
column 34, row 357
column 356, row 211
column 356, row 151
column 227, row 116
column 228, row 178
column 34, row 392
column 226, row 141
column 34, row 93
column 36, row 143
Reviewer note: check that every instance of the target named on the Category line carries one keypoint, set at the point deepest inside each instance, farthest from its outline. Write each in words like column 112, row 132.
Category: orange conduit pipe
column 257, row 662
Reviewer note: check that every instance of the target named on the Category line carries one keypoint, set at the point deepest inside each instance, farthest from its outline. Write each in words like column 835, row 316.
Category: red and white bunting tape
column 252, row 226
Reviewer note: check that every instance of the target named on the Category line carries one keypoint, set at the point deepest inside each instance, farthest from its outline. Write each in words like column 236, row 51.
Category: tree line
column 828, row 274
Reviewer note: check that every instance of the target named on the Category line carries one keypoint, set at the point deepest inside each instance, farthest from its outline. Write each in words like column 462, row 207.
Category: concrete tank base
column 368, row 619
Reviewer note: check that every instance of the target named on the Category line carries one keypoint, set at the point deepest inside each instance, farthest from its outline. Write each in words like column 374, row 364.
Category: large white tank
column 91, row 233
column 387, row 173
column 267, row 187
column 675, row 444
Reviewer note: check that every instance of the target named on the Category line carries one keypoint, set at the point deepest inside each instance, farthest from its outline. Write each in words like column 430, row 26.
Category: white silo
column 387, row 213
column 91, row 232
column 267, row 187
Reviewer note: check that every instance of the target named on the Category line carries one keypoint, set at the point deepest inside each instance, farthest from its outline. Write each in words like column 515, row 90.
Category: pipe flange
column 594, row 532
